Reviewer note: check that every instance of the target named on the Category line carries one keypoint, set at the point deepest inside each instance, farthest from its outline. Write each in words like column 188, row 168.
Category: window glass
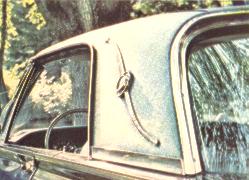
column 62, row 85
column 219, row 82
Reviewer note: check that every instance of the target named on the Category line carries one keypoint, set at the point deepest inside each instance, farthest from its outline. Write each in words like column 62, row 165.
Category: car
column 160, row 97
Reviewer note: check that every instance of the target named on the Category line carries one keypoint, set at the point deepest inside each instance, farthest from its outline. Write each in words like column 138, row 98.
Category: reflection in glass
column 219, row 83
column 62, row 85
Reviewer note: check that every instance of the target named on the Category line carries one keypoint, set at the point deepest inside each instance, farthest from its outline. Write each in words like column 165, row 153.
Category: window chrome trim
column 74, row 164
column 157, row 163
column 190, row 149
column 22, row 88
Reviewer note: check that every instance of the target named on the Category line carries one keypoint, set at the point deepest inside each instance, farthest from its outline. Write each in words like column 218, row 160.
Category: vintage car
column 161, row 97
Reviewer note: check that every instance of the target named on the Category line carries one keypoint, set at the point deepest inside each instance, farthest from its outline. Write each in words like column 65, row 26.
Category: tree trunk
column 3, row 91
column 67, row 18
column 87, row 18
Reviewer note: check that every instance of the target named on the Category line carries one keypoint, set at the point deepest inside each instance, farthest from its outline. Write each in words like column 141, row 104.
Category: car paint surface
column 148, row 38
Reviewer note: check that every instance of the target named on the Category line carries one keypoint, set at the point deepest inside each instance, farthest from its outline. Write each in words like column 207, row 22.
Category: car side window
column 218, row 79
column 59, row 93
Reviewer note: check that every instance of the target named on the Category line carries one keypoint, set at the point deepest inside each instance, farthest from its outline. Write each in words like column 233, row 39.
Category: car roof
column 146, row 28
column 168, row 23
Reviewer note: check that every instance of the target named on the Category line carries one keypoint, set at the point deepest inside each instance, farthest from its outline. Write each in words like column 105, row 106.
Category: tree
column 68, row 18
column 3, row 91
column 15, row 16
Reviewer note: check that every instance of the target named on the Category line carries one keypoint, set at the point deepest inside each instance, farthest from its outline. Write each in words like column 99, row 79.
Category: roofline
column 84, row 36
column 204, row 12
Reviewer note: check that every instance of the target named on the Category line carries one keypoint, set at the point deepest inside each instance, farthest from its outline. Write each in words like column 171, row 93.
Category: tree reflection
column 219, row 82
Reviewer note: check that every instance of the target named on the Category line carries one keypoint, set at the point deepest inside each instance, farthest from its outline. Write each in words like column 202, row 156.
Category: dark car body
column 141, row 122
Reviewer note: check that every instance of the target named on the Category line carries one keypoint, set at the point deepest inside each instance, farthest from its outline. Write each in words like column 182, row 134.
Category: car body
column 138, row 91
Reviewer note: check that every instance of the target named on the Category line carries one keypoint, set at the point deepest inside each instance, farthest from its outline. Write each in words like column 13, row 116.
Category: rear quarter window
column 218, row 79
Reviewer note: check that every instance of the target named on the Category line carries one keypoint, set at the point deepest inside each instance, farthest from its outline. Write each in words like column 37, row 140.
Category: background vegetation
column 28, row 26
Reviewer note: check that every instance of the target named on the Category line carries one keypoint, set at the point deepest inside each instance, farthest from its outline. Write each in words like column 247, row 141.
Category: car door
column 53, row 86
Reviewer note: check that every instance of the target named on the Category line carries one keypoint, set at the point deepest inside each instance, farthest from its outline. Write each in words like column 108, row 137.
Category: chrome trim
column 16, row 104
column 42, row 54
column 190, row 149
column 90, row 100
column 71, row 164
column 158, row 163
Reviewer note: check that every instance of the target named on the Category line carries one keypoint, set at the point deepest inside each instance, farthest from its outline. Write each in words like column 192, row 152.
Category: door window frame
column 20, row 96
column 197, row 30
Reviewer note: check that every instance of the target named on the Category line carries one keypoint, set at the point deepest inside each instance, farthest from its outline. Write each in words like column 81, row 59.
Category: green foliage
column 33, row 15
column 52, row 96
column 26, row 43
column 25, row 24
column 13, row 13
column 12, row 76
column 149, row 7
column 11, row 29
